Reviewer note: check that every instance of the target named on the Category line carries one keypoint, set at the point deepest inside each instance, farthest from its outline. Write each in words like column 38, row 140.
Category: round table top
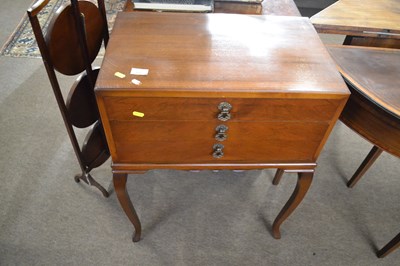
column 374, row 72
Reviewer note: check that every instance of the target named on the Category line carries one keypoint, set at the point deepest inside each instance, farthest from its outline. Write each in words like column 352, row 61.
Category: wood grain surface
column 373, row 72
column 237, row 55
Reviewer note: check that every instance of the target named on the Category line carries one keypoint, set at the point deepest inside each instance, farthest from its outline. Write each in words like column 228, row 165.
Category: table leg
column 303, row 184
column 392, row 245
column 119, row 180
column 366, row 164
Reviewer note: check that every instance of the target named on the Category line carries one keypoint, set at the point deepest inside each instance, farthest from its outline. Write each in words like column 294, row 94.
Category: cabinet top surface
column 217, row 53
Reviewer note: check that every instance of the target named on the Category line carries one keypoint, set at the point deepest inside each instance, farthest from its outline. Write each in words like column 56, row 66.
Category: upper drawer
column 205, row 109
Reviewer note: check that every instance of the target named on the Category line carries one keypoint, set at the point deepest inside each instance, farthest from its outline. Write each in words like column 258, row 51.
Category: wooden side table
column 373, row 109
column 223, row 91
column 364, row 22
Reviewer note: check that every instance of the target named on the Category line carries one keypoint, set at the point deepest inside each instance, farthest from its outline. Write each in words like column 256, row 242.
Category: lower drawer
column 192, row 142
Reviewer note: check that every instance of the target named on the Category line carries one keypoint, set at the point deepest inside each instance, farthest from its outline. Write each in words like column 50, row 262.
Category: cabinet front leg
column 303, row 184
column 126, row 203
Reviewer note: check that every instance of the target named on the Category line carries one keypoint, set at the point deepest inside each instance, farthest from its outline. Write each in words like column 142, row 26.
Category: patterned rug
column 22, row 42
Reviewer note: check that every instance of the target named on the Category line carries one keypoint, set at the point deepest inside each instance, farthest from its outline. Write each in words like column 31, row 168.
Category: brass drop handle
column 221, row 133
column 218, row 151
column 224, row 107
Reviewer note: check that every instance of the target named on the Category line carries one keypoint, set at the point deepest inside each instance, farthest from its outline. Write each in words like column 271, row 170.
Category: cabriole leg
column 119, row 180
column 303, row 184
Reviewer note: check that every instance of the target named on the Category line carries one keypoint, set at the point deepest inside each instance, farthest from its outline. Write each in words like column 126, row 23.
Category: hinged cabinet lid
column 223, row 55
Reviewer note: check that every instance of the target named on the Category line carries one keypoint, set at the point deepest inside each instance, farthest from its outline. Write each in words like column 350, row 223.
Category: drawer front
column 206, row 109
column 192, row 141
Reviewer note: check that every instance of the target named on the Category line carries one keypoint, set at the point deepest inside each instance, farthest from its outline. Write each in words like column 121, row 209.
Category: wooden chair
column 70, row 45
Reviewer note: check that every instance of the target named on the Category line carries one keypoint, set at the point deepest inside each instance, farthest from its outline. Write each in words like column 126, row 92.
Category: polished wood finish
column 94, row 149
column 366, row 22
column 162, row 143
column 63, row 39
column 283, row 87
column 81, row 103
column 267, row 7
column 183, row 109
column 373, row 110
column 173, row 115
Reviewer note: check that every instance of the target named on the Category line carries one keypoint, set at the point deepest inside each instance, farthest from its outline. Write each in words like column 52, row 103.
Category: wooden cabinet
column 268, row 82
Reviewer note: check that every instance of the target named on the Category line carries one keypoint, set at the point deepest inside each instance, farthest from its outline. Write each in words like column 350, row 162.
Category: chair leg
column 392, row 245
column 365, row 165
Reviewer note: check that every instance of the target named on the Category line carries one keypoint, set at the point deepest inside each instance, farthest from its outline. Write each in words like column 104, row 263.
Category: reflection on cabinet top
column 225, row 55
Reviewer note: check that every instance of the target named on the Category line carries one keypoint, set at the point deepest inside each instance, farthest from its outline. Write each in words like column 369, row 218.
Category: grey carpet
column 205, row 218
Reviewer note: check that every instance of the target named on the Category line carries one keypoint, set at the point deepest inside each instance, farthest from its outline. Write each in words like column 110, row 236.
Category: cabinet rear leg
column 278, row 175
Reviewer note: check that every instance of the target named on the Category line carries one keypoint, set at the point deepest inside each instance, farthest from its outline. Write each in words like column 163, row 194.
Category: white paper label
column 139, row 71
